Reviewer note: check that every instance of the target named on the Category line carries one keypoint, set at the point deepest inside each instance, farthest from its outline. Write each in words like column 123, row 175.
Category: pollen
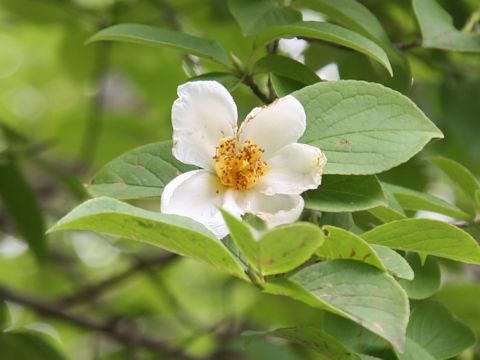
column 239, row 166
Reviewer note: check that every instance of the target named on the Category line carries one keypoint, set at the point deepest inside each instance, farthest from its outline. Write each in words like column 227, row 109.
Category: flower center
column 239, row 168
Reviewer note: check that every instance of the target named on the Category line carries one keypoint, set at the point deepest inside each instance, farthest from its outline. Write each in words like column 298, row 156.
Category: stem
column 410, row 45
column 123, row 334
column 472, row 20
column 91, row 292
column 248, row 80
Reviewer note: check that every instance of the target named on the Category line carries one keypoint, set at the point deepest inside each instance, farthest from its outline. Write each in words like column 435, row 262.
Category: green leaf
column 279, row 250
column 284, row 86
column 477, row 197
column 286, row 67
column 393, row 262
column 352, row 335
column 327, row 32
column 317, row 340
column 286, row 247
column 342, row 220
column 361, row 293
column 150, row 35
column 415, row 200
column 434, row 331
column 430, row 237
column 352, row 14
column 230, row 81
column 363, row 128
column 141, row 172
column 26, row 346
column 386, row 214
column 459, row 174
column 21, row 206
column 254, row 16
column 339, row 193
column 243, row 237
column 342, row 244
column 174, row 233
column 357, row 17
column 427, row 277
column 438, row 30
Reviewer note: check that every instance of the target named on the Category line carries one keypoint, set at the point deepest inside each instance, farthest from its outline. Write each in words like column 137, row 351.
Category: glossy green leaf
column 438, row 30
column 279, row 250
column 26, row 346
column 141, row 172
column 174, row 233
column 427, row 277
column 339, row 193
column 355, row 337
column 342, row 220
column 21, row 206
column 386, row 214
column 361, row 293
column 286, row 247
column 430, row 237
column 393, row 262
column 342, row 244
column 434, row 333
column 254, row 16
column 317, row 340
column 415, row 200
column 354, row 15
column 243, row 236
column 363, row 128
column 150, row 35
column 286, row 67
column 284, row 86
column 327, row 32
column 230, row 81
column 459, row 174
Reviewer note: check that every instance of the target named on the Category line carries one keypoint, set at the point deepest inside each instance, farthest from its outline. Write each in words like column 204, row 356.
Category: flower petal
column 274, row 126
column 203, row 114
column 275, row 210
column 196, row 194
column 293, row 169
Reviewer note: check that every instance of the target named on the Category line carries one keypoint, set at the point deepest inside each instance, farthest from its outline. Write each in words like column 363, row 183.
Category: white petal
column 274, row 126
column 203, row 114
column 293, row 47
column 329, row 72
column 196, row 194
column 293, row 169
column 274, row 210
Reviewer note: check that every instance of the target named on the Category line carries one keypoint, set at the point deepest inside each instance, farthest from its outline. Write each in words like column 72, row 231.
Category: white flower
column 260, row 169
column 329, row 72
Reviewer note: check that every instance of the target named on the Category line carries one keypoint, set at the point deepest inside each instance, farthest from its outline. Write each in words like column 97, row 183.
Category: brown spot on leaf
column 133, row 237
column 366, row 256
column 120, row 183
column 141, row 166
column 379, row 327
column 268, row 261
column 340, row 256
column 344, row 141
column 353, row 253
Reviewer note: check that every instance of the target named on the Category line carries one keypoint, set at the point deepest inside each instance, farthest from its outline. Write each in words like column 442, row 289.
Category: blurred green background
column 67, row 108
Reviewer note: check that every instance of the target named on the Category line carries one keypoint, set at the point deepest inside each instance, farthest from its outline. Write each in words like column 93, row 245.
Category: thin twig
column 247, row 80
column 410, row 45
column 123, row 335
column 91, row 292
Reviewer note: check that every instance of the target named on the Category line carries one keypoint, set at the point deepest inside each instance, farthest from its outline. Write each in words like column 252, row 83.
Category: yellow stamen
column 239, row 168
